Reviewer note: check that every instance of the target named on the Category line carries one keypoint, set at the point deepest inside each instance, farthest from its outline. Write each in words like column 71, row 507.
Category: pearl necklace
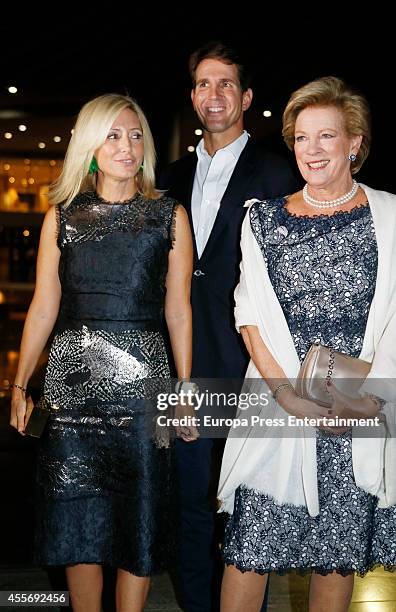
column 330, row 203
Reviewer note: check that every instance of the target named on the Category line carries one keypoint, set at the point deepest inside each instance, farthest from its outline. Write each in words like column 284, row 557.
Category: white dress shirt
column 211, row 179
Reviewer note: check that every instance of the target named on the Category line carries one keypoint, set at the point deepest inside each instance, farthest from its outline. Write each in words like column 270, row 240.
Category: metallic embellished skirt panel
column 106, row 490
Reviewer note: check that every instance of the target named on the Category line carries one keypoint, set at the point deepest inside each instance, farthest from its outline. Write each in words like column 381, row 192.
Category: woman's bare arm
column 178, row 313
column 177, row 303
column 41, row 316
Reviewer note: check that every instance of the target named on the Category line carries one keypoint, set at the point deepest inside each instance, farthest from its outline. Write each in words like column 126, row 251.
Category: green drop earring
column 93, row 166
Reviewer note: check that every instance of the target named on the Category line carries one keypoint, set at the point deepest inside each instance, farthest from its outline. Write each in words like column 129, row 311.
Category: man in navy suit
column 213, row 184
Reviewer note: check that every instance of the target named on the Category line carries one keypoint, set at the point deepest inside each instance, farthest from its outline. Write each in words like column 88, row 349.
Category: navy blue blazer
column 218, row 350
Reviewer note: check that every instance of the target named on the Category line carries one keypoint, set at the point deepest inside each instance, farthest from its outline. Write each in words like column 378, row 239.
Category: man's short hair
column 219, row 51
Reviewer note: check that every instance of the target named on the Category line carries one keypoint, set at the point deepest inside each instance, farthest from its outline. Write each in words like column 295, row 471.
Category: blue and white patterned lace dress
column 323, row 270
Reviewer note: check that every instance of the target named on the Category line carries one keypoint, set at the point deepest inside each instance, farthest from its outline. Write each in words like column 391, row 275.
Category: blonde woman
column 317, row 266
column 115, row 256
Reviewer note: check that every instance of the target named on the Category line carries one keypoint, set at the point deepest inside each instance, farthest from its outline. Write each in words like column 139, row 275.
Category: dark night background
column 60, row 64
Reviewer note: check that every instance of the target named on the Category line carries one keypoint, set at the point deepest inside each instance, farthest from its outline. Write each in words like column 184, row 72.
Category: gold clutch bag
column 323, row 364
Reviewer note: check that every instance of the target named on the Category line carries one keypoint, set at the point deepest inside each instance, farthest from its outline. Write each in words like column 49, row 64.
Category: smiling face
column 121, row 155
column 322, row 147
column 218, row 99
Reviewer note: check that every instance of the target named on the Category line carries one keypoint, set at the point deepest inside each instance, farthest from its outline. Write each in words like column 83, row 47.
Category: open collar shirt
column 211, row 179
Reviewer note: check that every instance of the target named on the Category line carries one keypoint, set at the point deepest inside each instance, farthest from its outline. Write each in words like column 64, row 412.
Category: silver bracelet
column 279, row 388
column 185, row 386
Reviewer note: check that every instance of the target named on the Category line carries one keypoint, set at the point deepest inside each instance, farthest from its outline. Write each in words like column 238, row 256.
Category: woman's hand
column 189, row 431
column 21, row 409
column 299, row 407
column 352, row 408
column 303, row 408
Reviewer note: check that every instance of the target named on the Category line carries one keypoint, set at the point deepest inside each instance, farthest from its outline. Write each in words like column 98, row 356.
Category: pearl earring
column 352, row 157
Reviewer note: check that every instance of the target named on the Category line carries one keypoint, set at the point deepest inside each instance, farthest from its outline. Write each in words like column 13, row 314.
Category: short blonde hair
column 90, row 131
column 331, row 91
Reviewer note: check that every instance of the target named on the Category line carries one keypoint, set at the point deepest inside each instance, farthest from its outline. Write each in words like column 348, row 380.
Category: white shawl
column 285, row 468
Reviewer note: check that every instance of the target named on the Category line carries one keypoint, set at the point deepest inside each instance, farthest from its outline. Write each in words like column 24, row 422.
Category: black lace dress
column 323, row 270
column 105, row 481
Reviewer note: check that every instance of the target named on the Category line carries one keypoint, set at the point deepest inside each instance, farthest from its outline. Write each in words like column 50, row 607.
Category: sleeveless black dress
column 105, row 480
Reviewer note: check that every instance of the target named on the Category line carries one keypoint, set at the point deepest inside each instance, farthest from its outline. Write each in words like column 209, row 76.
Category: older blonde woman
column 115, row 256
column 317, row 266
